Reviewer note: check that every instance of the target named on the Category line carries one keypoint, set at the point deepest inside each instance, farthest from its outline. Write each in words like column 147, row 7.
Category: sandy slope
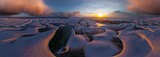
column 34, row 46
column 139, row 38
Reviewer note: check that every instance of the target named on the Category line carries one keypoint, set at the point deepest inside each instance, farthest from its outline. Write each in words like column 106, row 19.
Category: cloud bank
column 144, row 6
column 31, row 7
column 66, row 14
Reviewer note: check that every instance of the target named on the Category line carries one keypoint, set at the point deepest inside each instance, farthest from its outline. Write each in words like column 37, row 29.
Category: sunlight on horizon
column 97, row 14
column 101, row 14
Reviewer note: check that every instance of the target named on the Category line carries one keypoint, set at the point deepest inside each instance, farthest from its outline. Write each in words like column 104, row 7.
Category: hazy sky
column 87, row 6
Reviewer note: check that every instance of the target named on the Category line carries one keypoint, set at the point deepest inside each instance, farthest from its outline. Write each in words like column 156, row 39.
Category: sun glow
column 96, row 14
column 101, row 15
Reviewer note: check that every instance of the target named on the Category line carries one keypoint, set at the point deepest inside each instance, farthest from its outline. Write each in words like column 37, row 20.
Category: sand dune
column 34, row 46
column 84, row 38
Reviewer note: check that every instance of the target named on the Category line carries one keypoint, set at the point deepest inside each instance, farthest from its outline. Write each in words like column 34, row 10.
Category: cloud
column 66, row 14
column 144, row 6
column 31, row 7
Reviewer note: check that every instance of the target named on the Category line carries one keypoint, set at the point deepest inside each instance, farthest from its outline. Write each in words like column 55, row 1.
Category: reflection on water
column 100, row 24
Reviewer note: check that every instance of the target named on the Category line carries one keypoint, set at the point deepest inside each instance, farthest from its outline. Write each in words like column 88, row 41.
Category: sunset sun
column 101, row 15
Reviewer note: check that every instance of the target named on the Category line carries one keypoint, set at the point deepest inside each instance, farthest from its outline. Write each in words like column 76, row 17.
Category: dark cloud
column 32, row 7
column 144, row 6
column 66, row 14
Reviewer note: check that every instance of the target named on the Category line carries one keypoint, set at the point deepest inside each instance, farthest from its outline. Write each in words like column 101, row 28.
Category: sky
column 87, row 6
column 71, row 7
